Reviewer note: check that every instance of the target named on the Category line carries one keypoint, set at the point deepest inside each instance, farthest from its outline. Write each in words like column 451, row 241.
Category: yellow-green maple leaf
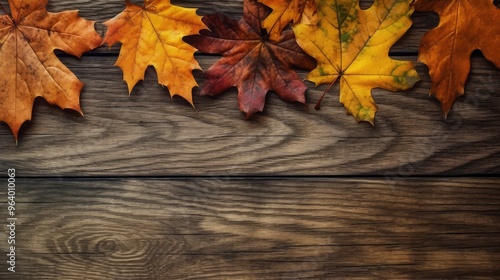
column 152, row 35
column 353, row 44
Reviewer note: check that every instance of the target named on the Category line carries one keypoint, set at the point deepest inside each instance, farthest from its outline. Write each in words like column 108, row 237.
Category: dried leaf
column 250, row 61
column 152, row 36
column 464, row 26
column 286, row 11
column 353, row 44
column 28, row 38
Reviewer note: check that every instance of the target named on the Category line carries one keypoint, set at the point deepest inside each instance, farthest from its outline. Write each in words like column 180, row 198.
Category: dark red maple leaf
column 251, row 62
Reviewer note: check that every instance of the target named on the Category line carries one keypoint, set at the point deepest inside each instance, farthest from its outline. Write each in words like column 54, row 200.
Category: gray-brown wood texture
column 147, row 187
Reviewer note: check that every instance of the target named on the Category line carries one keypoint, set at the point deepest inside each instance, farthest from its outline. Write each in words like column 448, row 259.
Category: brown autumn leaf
column 250, row 61
column 30, row 69
column 286, row 11
column 465, row 26
column 152, row 35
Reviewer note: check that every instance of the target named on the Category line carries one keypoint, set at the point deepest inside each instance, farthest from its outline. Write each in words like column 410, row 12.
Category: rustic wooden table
column 146, row 187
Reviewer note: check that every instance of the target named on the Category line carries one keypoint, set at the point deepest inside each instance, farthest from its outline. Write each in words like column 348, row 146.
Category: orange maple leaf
column 465, row 25
column 152, row 35
column 286, row 11
column 28, row 38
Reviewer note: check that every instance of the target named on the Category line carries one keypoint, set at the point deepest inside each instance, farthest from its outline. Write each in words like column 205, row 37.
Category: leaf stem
column 318, row 104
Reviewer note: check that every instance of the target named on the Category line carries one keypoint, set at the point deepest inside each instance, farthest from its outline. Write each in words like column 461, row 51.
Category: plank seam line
column 261, row 177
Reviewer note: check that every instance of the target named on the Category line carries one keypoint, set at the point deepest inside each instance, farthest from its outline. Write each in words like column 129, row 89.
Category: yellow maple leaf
column 353, row 44
column 152, row 36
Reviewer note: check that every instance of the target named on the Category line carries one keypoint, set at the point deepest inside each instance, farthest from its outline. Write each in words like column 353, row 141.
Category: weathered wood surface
column 269, row 229
column 150, row 134
column 146, row 187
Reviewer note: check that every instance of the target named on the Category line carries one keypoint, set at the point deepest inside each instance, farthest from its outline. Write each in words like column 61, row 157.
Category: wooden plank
column 223, row 228
column 150, row 134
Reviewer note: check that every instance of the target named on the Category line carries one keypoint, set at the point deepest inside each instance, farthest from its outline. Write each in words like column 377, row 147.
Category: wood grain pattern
column 150, row 134
column 226, row 228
